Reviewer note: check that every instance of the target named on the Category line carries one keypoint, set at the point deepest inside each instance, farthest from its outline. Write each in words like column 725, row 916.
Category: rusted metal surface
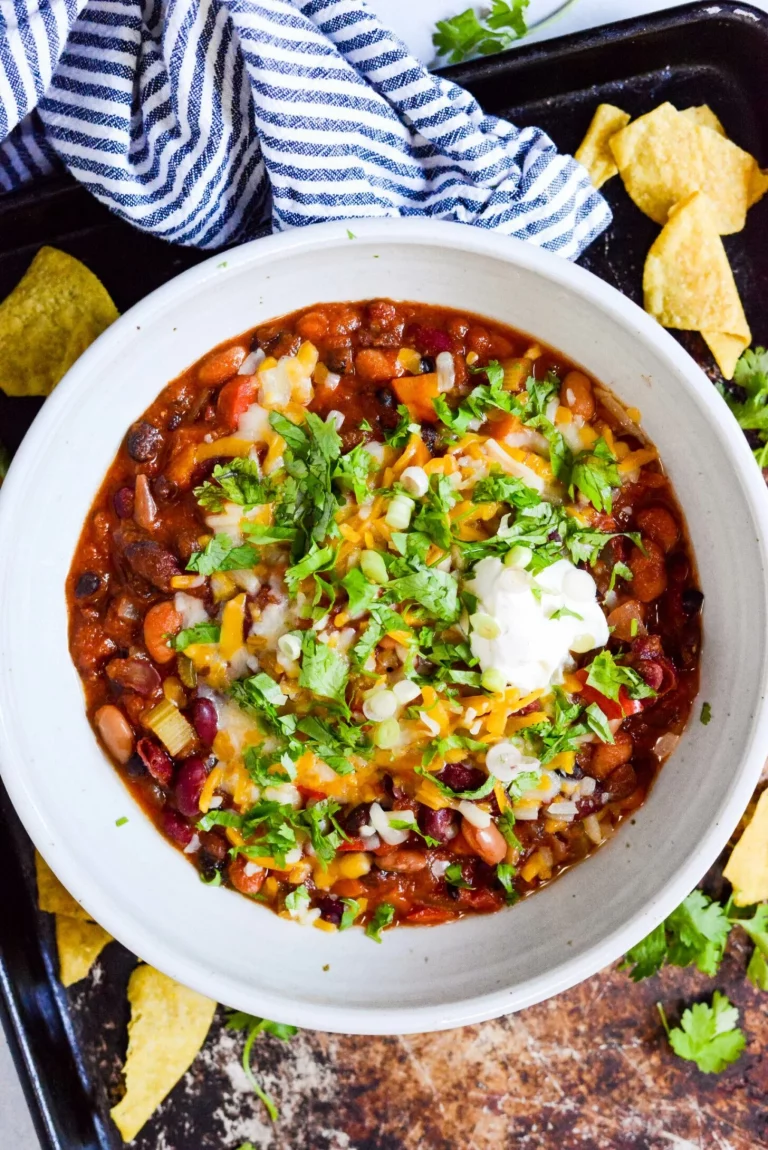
column 588, row 1070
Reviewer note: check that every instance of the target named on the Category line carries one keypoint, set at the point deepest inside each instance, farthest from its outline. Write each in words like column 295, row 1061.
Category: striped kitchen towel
column 196, row 119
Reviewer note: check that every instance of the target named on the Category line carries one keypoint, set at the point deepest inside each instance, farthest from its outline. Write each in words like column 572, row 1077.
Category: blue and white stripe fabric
column 194, row 119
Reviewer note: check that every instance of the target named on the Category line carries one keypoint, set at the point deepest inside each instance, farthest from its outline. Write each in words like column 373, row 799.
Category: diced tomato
column 353, row 845
column 234, row 398
column 430, row 916
column 611, row 708
column 310, row 796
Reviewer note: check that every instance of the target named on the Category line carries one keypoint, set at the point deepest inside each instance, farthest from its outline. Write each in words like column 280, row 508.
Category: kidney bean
column 660, row 525
column 134, row 675
column 157, row 760
column 649, row 572
column 214, row 844
column 652, row 672
column 245, row 883
column 144, row 442
column 331, row 909
column 116, row 732
column 590, row 804
column 135, row 767
column 442, row 825
column 359, row 816
column 88, row 584
column 647, row 647
column 487, row 842
column 607, row 756
column 402, row 860
column 576, row 394
column 176, row 827
column 123, row 501
column 461, row 777
column 189, row 784
column 203, row 717
column 148, row 560
column 621, row 783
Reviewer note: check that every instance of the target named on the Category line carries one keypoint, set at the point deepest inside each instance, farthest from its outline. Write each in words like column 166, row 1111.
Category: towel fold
column 196, row 119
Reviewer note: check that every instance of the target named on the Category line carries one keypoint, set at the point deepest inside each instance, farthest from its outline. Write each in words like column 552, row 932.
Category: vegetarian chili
column 386, row 613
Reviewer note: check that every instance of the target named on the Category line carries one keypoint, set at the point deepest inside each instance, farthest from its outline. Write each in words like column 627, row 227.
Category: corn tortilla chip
column 688, row 282
column 703, row 115
column 48, row 321
column 168, row 1026
column 747, row 868
column 758, row 186
column 593, row 152
column 51, row 895
column 664, row 157
column 79, row 944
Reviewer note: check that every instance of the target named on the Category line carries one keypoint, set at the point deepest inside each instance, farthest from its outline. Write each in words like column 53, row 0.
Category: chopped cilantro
column 310, row 503
column 506, row 824
column 220, row 819
column 316, row 559
column 695, row 933
column 564, row 612
column 323, row 670
column 200, row 633
column 400, row 435
column 466, row 35
column 594, row 473
column 239, row 481
column 499, row 487
column 121, row 821
column 454, row 876
column 362, row 594
column 334, row 744
column 239, row 1020
column 749, row 400
column 620, row 570
column 351, row 472
column 707, row 1035
column 221, row 554
column 350, row 913
column 505, row 873
column 433, row 518
column 382, row 918
column 434, row 590
column 608, row 677
column 325, row 834
column 706, row 713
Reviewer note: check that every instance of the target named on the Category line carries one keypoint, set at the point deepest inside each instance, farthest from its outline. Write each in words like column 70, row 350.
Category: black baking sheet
column 70, row 1046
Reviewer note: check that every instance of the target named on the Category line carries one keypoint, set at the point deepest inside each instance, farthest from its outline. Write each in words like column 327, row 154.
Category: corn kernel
column 222, row 586
column 321, row 924
column 472, row 358
column 271, row 888
column 234, row 836
column 353, row 865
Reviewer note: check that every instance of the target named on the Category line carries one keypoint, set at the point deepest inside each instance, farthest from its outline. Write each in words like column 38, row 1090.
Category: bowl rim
column 394, row 1020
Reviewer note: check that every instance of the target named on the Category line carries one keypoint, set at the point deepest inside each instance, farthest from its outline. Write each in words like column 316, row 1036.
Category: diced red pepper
column 235, row 398
column 353, row 845
column 612, row 708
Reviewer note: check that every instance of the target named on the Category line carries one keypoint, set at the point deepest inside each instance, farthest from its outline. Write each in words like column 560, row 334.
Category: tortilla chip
column 51, row 895
column 664, row 157
column 48, row 321
column 688, row 282
column 747, row 868
column 593, row 152
column 705, row 117
column 79, row 945
column 168, row 1027
column 758, row 186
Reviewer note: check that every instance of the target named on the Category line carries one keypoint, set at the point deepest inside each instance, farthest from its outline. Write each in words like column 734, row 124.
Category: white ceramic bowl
column 138, row 886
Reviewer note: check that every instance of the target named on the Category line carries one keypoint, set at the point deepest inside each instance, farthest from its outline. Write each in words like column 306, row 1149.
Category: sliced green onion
column 399, row 512
column 373, row 567
column 485, row 625
column 518, row 557
column 289, row 645
column 387, row 734
column 380, row 705
column 494, row 680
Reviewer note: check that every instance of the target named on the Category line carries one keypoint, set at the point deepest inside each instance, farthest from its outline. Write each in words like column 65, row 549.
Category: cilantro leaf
column 608, row 677
column 262, row 534
column 454, row 876
column 310, row 504
column 757, row 970
column 323, row 670
column 200, row 633
column 259, row 764
column 708, row 1035
column 647, row 956
column 757, row 929
column 260, row 696
column 695, row 933
column 350, row 913
column 749, row 404
column 238, row 481
column 595, row 473
column 383, row 620
column 434, row 590
column 498, row 487
column 620, row 570
column 221, row 554
column 400, row 435
column 465, row 35
column 316, row 559
column 239, row 1020
column 362, row 594
column 433, row 519
column 382, row 918
column 334, row 744
column 506, row 824
column 352, row 470
column 706, row 714
column 325, row 834
column 505, row 873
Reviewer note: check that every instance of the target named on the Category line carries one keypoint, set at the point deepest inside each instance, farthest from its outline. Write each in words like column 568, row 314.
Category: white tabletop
column 414, row 21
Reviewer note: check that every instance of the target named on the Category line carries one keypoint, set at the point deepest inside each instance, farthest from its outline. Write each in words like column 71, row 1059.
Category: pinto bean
column 402, row 860
column 91, row 646
column 148, row 559
column 606, row 757
column 621, row 783
column 487, row 842
column 376, row 364
column 313, row 326
column 245, row 883
column 116, row 732
column 160, row 621
column 576, row 394
column 144, row 442
column 626, row 621
column 221, row 365
column 659, row 525
column 649, row 572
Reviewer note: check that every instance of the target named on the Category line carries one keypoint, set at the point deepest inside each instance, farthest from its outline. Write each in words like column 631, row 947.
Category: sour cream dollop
column 540, row 620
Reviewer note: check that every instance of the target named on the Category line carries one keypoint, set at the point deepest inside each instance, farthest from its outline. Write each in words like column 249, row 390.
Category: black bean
column 429, row 437
column 135, row 767
column 87, row 585
column 331, row 909
column 174, row 421
column 692, row 601
column 427, row 363
column 163, row 489
column 210, row 866
column 123, row 501
column 442, row 825
column 144, row 441
column 386, row 397
column 358, row 817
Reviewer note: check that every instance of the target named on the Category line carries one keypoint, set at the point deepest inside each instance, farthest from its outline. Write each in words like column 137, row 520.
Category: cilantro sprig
column 253, row 1026
column 467, row 35
column 748, row 400
column 708, row 1034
